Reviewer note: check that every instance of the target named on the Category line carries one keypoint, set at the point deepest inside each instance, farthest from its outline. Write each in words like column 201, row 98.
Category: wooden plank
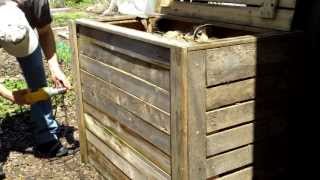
column 125, row 151
column 243, row 174
column 282, row 3
column 245, row 90
column 77, row 80
column 131, row 136
column 229, row 161
column 231, row 63
column 249, row 133
column 156, row 137
column 179, row 121
column 128, row 169
column 243, row 113
column 245, row 16
column 131, row 34
column 100, row 90
column 188, row 114
column 236, row 62
column 149, row 72
column 230, row 93
column 196, row 114
column 131, row 84
column 103, row 165
column 149, row 53
column 269, row 157
column 230, row 116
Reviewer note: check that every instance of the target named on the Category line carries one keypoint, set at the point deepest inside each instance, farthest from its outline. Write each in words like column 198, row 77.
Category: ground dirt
column 15, row 138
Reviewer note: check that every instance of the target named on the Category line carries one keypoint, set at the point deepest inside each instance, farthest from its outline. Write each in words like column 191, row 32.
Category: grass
column 63, row 18
column 78, row 4
column 64, row 52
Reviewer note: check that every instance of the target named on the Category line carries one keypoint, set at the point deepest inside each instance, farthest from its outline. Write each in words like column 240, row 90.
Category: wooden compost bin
column 152, row 107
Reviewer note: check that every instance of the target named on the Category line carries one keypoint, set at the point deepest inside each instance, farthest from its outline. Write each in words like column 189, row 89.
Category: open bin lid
column 270, row 14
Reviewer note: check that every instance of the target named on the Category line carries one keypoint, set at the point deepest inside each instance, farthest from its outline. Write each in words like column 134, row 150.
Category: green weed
column 63, row 52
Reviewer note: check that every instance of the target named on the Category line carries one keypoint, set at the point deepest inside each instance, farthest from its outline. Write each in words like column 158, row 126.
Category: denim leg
column 45, row 127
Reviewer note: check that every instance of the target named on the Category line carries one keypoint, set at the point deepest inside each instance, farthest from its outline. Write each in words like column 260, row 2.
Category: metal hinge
column 268, row 9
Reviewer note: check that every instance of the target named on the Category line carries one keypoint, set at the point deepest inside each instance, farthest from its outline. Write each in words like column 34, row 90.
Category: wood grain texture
column 231, row 116
column 274, row 86
column 137, row 49
column 179, row 121
column 77, row 79
column 229, row 161
column 230, row 93
column 149, row 72
column 102, row 90
column 128, row 169
column 139, row 126
column 131, row 84
column 282, row 3
column 131, row 136
column 196, row 105
column 231, row 63
column 103, row 165
column 245, row 16
column 243, row 135
column 245, row 112
column 188, row 121
column 243, row 174
column 124, row 150
column 132, row 34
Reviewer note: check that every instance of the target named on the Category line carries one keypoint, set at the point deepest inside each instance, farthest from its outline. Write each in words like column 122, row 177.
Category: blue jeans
column 44, row 127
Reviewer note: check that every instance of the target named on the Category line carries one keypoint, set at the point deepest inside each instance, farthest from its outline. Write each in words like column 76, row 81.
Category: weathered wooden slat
column 230, row 116
column 128, row 169
column 77, row 80
column 156, row 137
column 188, row 121
column 149, row 72
column 196, row 114
column 243, row 135
column 103, row 165
column 247, row 60
column 243, row 174
column 230, row 93
column 245, row 16
column 244, row 90
column 179, row 122
column 137, row 49
column 231, row 63
column 230, row 161
column 125, row 151
column 243, row 113
column 142, row 37
column 101, row 90
column 131, row 136
column 282, row 3
column 131, row 84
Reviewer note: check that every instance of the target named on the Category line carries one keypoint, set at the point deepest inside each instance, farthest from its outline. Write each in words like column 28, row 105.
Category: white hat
column 12, row 16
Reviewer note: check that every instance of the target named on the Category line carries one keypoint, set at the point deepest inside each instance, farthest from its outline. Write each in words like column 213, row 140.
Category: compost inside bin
column 183, row 31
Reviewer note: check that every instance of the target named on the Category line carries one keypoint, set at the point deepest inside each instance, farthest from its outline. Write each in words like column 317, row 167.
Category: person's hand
column 58, row 77
column 18, row 97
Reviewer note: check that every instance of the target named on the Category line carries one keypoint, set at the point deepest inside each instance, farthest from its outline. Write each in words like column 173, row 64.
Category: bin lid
column 270, row 14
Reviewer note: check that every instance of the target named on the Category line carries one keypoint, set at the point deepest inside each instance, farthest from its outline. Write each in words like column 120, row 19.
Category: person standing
column 24, row 31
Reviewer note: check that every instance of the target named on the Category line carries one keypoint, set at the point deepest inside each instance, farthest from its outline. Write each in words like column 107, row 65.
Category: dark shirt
column 37, row 12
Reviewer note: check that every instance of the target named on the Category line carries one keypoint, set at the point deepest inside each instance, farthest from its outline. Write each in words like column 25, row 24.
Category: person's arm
column 15, row 96
column 6, row 93
column 47, row 43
